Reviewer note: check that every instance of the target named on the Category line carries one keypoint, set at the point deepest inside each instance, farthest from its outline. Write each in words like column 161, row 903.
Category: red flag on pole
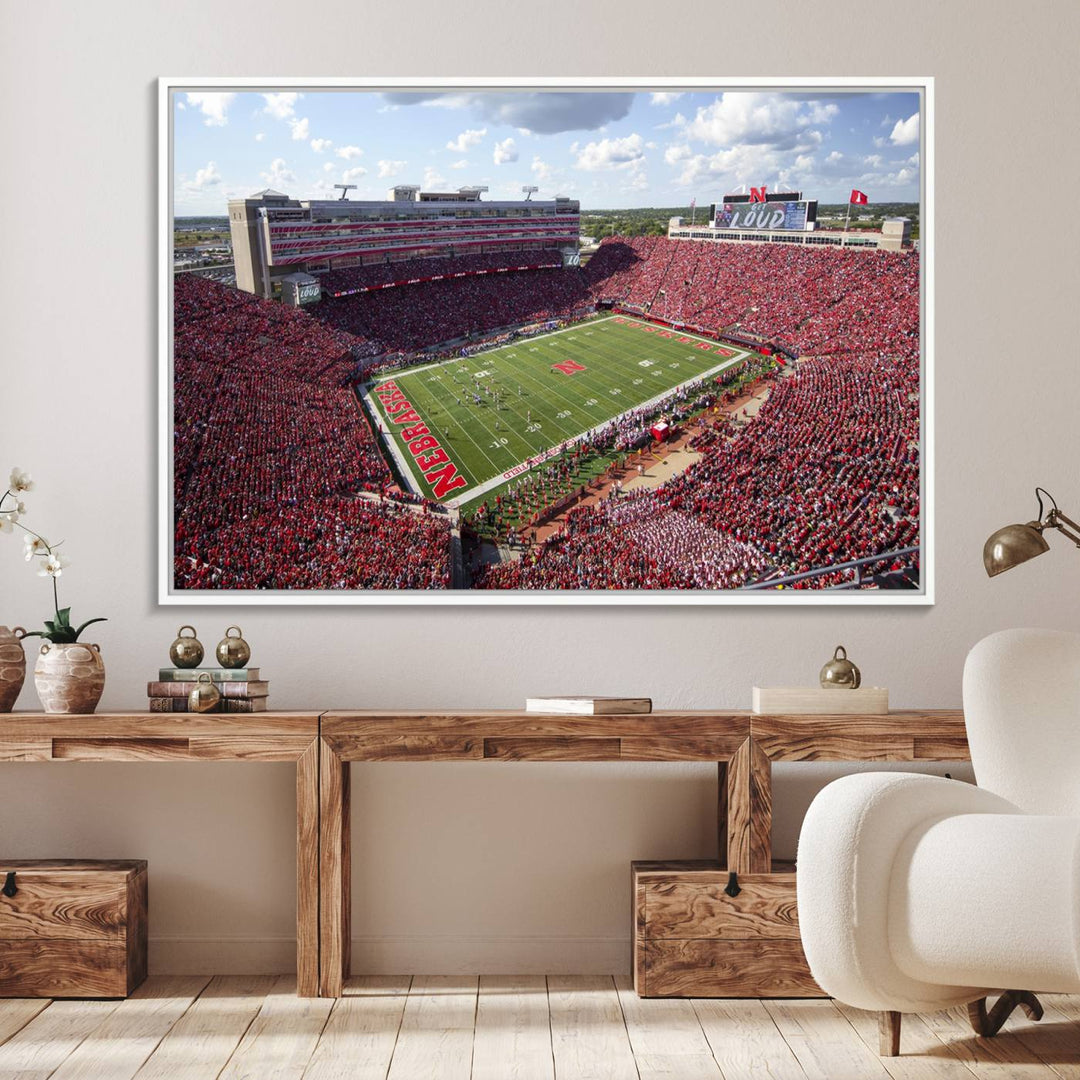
column 858, row 198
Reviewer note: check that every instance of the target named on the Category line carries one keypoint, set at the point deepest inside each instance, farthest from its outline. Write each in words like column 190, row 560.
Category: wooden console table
column 743, row 745
column 322, row 745
column 135, row 736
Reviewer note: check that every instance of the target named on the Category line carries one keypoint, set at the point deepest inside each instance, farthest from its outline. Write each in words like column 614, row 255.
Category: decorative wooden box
column 72, row 928
column 693, row 939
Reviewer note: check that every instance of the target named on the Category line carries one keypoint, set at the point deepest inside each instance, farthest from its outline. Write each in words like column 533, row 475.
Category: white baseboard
column 430, row 954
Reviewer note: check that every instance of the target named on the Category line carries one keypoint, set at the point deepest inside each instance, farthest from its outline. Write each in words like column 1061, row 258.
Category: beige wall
column 497, row 867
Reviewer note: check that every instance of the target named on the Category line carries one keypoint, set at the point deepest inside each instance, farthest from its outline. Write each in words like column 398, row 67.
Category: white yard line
column 502, row 478
column 542, row 455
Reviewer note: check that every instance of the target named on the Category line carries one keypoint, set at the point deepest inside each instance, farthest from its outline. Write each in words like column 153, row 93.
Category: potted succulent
column 69, row 674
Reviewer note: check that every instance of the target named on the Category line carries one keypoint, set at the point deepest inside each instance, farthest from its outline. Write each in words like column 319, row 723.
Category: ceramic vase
column 12, row 667
column 69, row 678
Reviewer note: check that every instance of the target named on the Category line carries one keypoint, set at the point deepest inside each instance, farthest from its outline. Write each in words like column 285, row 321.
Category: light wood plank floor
column 524, row 1027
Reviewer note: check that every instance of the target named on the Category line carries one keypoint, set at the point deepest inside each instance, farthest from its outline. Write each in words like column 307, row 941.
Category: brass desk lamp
column 1014, row 544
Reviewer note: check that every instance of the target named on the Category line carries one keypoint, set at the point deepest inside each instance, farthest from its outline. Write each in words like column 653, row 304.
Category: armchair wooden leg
column 988, row 1024
column 889, row 1033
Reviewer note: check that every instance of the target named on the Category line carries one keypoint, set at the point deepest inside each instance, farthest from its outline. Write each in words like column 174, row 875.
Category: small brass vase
column 840, row 673
column 204, row 695
column 233, row 652
column 186, row 651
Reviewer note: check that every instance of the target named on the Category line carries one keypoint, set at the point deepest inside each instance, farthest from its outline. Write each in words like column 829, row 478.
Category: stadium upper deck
column 274, row 235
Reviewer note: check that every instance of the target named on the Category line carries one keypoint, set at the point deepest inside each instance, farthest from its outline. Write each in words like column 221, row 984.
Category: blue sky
column 605, row 148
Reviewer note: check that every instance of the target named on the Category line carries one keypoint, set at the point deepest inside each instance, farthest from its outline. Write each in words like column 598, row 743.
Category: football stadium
column 436, row 391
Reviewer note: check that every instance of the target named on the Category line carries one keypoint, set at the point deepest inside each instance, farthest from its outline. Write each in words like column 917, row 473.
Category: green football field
column 460, row 429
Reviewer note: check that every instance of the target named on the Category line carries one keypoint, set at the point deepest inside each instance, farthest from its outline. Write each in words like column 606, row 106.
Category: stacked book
column 241, row 689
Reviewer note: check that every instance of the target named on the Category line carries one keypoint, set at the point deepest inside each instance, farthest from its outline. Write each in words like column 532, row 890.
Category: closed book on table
column 72, row 928
column 588, row 706
column 225, row 705
column 818, row 701
column 218, row 674
column 164, row 688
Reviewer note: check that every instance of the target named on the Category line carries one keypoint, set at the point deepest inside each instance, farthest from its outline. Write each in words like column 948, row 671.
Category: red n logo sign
column 757, row 194
column 568, row 367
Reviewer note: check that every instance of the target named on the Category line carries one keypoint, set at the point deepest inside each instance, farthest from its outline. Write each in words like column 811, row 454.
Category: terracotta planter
column 69, row 678
column 12, row 667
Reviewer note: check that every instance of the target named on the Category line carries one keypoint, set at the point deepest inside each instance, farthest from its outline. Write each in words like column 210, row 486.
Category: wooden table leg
column 722, row 813
column 749, row 810
column 334, row 872
column 307, row 872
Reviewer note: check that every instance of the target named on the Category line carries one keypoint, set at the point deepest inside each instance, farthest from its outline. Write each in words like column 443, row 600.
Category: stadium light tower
column 473, row 188
column 529, row 190
column 345, row 189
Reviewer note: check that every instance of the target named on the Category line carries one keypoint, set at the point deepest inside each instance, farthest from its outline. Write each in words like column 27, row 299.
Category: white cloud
column 319, row 145
column 739, row 118
column 214, row 107
column 505, row 152
column 299, row 129
column 208, row 177
column 677, row 121
column 180, row 105
column 905, row 132
column 279, row 175
column 676, row 153
column 390, row 169
column 259, row 136
column 610, row 153
column 466, row 140
column 541, row 170
column 914, row 159
column 328, row 166
column 349, row 152
column 875, row 161
column 434, row 180
column 638, row 180
column 462, row 164
column 349, row 175
column 280, row 106
column 664, row 98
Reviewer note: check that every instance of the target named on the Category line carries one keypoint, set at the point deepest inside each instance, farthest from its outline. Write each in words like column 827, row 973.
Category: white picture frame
column 170, row 87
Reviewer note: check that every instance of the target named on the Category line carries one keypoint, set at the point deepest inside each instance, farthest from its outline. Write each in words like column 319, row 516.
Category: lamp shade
column 1012, row 545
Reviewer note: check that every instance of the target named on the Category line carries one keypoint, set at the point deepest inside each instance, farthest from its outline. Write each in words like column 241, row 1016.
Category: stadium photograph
column 536, row 343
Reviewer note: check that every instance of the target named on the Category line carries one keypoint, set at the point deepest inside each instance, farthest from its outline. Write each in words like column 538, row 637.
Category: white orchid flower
column 7, row 520
column 34, row 545
column 53, row 566
column 20, row 480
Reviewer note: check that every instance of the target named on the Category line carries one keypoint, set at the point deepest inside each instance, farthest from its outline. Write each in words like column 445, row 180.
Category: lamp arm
column 1059, row 521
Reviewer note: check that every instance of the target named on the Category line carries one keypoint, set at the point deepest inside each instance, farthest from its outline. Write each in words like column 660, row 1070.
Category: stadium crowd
column 269, row 442
column 351, row 278
column 431, row 313
column 828, row 470
column 270, row 447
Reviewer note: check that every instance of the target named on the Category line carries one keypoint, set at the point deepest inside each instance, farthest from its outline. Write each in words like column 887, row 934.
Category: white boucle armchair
column 918, row 893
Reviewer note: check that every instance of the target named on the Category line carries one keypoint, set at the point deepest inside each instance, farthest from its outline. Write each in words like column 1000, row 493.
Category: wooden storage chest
column 71, row 928
column 692, row 939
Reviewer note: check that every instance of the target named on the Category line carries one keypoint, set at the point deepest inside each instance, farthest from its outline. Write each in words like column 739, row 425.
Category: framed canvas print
column 546, row 341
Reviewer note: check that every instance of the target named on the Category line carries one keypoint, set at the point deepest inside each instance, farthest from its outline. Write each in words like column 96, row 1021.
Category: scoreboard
column 791, row 216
